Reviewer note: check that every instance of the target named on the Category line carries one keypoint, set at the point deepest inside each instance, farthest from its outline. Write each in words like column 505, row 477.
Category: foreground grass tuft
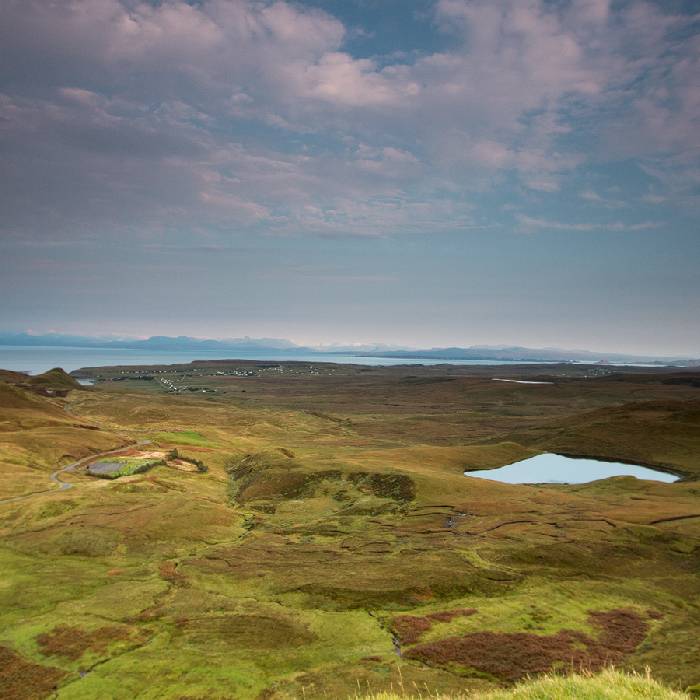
column 606, row 685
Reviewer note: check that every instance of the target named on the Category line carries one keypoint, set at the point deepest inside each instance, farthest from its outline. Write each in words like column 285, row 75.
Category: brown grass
column 72, row 642
column 168, row 572
column 257, row 632
column 621, row 630
column 24, row 680
column 410, row 628
column 511, row 656
column 449, row 615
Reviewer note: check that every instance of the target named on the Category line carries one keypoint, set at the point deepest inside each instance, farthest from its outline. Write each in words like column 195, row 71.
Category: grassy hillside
column 38, row 435
column 333, row 542
column 55, row 379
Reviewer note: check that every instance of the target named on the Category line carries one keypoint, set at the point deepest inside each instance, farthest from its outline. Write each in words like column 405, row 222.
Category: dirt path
column 55, row 476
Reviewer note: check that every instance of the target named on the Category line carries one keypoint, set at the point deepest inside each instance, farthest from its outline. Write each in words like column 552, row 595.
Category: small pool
column 105, row 467
column 552, row 468
column 519, row 381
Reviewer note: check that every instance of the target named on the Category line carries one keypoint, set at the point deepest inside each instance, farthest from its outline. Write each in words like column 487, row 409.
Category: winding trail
column 55, row 476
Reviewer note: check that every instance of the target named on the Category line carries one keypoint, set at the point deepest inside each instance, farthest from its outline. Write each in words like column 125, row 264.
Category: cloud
column 530, row 223
column 341, row 80
column 597, row 199
column 252, row 115
column 653, row 199
column 590, row 196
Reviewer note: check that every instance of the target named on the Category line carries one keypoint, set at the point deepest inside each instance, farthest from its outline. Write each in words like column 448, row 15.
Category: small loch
column 550, row 468
column 105, row 468
column 519, row 381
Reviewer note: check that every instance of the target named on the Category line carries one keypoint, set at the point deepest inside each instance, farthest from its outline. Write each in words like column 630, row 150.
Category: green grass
column 607, row 685
column 183, row 437
column 281, row 575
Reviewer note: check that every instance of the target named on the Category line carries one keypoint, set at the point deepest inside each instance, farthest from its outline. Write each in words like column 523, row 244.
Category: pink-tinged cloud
column 135, row 114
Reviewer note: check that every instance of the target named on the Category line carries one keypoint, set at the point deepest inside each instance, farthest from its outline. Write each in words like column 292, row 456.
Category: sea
column 35, row 359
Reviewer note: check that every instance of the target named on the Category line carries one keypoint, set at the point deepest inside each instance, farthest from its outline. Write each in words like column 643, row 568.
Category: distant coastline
column 279, row 349
column 36, row 359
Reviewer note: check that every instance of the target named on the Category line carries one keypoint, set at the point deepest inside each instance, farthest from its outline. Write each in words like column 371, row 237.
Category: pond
column 105, row 468
column 552, row 468
column 519, row 381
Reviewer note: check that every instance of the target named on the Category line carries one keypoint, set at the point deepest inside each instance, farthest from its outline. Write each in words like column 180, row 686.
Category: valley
column 307, row 530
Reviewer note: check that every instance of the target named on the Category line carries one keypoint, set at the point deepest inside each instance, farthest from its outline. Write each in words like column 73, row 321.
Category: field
column 313, row 535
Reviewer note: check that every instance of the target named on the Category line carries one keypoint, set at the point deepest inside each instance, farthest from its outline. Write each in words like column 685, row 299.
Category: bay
column 36, row 358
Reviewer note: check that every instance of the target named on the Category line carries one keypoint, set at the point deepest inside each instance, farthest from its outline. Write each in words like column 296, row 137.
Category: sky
column 415, row 172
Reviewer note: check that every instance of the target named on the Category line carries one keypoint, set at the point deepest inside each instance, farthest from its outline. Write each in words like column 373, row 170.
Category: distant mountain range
column 517, row 353
column 156, row 342
column 277, row 345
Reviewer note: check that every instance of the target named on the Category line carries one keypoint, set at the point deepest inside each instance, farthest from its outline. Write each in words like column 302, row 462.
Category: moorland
column 288, row 530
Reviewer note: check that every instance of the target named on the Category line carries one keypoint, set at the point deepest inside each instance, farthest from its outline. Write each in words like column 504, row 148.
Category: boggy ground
column 333, row 543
